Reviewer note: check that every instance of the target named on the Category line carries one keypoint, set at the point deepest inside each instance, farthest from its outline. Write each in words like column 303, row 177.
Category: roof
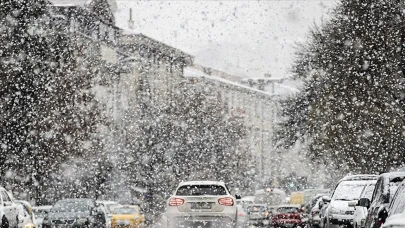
column 288, row 205
column 202, row 183
column 47, row 207
column 359, row 177
column 106, row 202
column 196, row 73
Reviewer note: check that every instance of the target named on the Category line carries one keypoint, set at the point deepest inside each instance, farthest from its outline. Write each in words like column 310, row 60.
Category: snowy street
column 221, row 114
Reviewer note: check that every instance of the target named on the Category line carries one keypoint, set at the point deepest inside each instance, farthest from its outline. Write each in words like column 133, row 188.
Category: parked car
column 106, row 206
column 127, row 216
column 258, row 215
column 24, row 217
column 75, row 213
column 201, row 202
column 314, row 217
column 288, row 216
column 27, row 206
column 385, row 188
column 336, row 211
column 360, row 213
column 40, row 212
column 8, row 208
column 311, row 194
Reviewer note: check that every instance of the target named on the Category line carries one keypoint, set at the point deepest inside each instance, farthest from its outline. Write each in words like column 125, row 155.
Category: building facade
column 251, row 106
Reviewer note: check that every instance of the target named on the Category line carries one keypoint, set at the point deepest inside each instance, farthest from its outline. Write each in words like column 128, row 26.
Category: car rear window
column 256, row 209
column 124, row 211
column 287, row 210
column 200, row 190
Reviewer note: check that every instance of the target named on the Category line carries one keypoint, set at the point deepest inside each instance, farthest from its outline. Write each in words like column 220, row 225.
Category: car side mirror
column 326, row 199
column 321, row 204
column 353, row 203
column 364, row 202
column 238, row 197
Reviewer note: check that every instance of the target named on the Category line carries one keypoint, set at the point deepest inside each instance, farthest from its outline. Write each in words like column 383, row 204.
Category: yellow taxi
column 128, row 216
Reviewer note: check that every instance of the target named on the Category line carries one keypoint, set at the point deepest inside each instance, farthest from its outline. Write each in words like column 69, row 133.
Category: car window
column 251, row 209
column 398, row 202
column 377, row 190
column 199, row 190
column 71, row 206
column 5, row 196
column 368, row 191
column 348, row 190
column 124, row 211
column 287, row 210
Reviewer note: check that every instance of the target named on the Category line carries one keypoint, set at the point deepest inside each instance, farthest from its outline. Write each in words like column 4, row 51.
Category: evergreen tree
column 354, row 116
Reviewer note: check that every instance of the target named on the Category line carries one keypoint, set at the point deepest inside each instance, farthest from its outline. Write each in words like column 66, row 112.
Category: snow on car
column 201, row 202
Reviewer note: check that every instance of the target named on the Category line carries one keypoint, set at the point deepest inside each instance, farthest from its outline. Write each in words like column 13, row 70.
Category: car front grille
column 349, row 213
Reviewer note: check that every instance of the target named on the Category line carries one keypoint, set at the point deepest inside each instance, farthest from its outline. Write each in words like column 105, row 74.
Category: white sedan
column 200, row 203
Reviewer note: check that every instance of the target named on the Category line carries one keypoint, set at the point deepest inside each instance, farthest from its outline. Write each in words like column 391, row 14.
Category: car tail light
column 227, row 201
column 176, row 202
column 241, row 214
column 379, row 223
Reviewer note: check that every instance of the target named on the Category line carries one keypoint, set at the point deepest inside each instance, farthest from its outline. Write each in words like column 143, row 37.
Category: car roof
column 47, row 207
column 359, row 177
column 257, row 205
column 106, row 202
column 202, row 183
column 289, row 205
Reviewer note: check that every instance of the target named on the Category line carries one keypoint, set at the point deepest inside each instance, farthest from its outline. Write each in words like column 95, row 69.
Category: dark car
column 258, row 214
column 384, row 190
column 75, row 213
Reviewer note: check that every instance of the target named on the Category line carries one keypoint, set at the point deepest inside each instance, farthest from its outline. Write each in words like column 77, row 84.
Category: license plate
column 200, row 206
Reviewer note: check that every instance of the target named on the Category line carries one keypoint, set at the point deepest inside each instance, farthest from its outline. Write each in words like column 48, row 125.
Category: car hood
column 341, row 204
column 67, row 215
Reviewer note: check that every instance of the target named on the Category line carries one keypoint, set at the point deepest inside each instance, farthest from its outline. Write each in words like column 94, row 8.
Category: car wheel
column 4, row 223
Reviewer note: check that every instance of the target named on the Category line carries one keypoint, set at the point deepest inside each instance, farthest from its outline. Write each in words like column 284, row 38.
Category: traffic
column 357, row 201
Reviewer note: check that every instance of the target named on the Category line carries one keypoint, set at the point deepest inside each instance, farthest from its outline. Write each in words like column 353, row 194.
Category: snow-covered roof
column 202, row 183
column 359, row 177
column 196, row 73
column 47, row 207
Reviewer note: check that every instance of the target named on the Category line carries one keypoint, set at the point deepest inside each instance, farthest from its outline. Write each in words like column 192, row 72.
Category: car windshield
column 251, row 209
column 287, row 210
column 124, row 211
column 71, row 206
column 199, row 190
column 348, row 190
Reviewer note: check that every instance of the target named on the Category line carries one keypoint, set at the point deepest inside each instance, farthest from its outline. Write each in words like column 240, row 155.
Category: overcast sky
column 247, row 38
